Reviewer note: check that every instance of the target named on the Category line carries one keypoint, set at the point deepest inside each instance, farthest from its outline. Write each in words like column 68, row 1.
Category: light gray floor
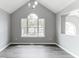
column 34, row 51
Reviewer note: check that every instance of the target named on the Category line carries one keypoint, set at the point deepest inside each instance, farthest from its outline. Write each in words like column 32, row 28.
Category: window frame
column 63, row 31
column 27, row 35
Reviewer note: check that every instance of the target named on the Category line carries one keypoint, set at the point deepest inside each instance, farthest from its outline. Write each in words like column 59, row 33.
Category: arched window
column 70, row 28
column 33, row 26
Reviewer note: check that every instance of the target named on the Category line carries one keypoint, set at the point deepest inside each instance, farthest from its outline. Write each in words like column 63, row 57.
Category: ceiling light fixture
column 29, row 4
column 35, row 3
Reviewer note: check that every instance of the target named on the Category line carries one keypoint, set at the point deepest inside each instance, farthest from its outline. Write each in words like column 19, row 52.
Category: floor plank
column 34, row 51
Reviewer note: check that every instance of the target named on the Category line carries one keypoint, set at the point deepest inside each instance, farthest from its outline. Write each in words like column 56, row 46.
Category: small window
column 70, row 28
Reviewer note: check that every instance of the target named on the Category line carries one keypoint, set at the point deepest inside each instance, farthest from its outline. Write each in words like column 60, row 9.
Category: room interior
column 47, row 28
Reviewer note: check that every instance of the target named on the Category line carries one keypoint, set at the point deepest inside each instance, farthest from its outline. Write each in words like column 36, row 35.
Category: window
column 32, row 26
column 70, row 28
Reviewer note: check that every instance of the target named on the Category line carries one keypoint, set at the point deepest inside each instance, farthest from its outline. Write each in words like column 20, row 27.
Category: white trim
column 67, row 51
column 4, row 47
column 33, row 43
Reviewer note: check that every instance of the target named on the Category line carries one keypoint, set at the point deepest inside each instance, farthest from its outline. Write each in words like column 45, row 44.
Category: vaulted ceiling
column 54, row 5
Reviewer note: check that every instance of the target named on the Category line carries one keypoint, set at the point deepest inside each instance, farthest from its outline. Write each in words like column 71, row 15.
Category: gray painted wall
column 4, row 29
column 68, row 42
column 42, row 12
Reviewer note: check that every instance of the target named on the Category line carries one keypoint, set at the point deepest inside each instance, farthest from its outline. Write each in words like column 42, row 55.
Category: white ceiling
column 11, row 5
column 54, row 5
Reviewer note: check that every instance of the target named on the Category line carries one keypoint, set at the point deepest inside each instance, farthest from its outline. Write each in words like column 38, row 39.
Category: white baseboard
column 67, row 51
column 34, row 43
column 4, row 47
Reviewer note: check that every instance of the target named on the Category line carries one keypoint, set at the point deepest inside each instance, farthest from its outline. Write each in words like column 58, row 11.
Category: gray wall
column 42, row 12
column 4, row 29
column 68, row 42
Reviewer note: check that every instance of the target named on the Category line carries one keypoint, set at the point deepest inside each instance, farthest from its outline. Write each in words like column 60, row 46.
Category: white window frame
column 40, row 28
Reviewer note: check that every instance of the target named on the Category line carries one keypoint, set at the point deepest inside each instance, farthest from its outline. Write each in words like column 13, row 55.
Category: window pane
column 32, row 16
column 24, row 31
column 41, row 30
column 24, row 22
column 32, row 23
column 41, row 23
column 32, row 20
column 30, row 30
column 41, row 35
column 70, row 28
